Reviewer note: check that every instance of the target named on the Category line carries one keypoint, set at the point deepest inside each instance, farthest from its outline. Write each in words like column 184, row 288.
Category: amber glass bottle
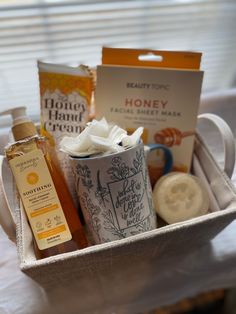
column 48, row 203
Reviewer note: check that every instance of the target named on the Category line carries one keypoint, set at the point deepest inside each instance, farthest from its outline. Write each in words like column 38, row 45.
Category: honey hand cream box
column 163, row 97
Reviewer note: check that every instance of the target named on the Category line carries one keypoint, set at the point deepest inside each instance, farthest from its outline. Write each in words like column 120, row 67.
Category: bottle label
column 40, row 199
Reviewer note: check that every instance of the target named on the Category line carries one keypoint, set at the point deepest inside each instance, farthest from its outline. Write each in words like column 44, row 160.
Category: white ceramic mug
column 115, row 193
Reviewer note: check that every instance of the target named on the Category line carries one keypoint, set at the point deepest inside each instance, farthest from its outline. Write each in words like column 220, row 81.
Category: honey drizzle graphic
column 171, row 136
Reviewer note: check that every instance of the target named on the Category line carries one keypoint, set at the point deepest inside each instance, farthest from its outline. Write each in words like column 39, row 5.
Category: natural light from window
column 73, row 32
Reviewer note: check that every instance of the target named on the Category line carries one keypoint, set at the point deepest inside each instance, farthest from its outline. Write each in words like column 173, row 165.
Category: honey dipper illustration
column 171, row 136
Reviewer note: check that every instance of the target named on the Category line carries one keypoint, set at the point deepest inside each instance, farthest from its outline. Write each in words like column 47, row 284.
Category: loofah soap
column 180, row 196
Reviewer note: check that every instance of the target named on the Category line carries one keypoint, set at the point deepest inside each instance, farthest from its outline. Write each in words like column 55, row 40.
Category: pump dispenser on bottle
column 42, row 189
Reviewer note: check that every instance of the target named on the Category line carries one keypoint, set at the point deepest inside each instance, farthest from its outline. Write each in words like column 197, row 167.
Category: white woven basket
column 124, row 276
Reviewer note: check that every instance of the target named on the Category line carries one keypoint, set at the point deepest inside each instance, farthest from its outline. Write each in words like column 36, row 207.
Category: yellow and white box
column 159, row 90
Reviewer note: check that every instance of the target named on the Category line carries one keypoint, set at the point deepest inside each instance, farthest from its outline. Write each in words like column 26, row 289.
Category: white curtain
column 74, row 32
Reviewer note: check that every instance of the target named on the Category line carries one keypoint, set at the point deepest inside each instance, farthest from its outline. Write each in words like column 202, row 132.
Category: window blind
column 73, row 32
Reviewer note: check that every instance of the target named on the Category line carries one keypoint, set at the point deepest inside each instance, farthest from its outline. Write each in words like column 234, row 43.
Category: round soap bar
column 179, row 196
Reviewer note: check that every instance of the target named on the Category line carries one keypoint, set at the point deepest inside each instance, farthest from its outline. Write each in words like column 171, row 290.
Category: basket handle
column 6, row 217
column 227, row 138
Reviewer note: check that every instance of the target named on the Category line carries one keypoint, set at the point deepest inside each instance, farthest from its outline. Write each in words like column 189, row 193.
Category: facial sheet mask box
column 162, row 96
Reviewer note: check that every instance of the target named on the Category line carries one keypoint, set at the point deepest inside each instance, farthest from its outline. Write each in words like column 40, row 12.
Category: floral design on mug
column 137, row 162
column 109, row 225
column 119, row 169
column 85, row 174
column 105, row 240
column 101, row 192
column 93, row 212
column 115, row 195
column 143, row 226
